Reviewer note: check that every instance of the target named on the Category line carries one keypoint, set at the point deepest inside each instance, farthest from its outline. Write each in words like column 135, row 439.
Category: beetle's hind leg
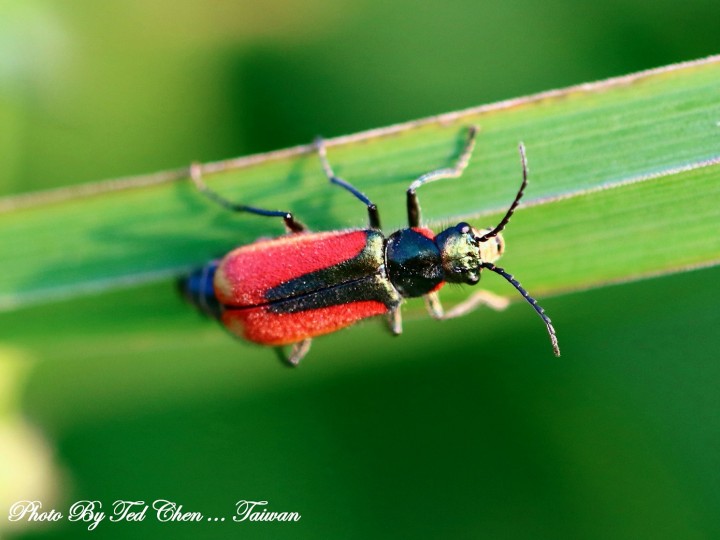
column 291, row 224
column 297, row 352
column 373, row 214
column 394, row 321
column 477, row 299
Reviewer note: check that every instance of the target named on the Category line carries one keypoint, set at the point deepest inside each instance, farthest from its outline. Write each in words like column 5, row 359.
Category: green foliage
column 463, row 429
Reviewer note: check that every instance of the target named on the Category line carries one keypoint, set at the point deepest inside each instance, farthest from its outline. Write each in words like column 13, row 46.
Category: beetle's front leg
column 478, row 298
column 394, row 320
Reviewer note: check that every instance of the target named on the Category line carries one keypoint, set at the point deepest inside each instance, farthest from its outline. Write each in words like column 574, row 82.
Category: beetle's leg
column 297, row 352
column 373, row 214
column 394, row 320
column 291, row 224
column 478, row 298
column 413, row 206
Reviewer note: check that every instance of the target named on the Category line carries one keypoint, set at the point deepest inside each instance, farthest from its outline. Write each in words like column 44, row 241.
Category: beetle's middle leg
column 373, row 214
column 477, row 299
column 413, row 205
column 394, row 321
column 291, row 224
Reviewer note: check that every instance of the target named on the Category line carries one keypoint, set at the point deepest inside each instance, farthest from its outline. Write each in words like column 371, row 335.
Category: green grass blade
column 624, row 184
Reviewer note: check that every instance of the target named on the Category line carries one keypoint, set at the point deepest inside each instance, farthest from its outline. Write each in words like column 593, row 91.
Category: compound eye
column 472, row 279
column 463, row 228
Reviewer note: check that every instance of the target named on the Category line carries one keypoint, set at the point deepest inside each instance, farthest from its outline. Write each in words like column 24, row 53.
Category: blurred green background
column 468, row 429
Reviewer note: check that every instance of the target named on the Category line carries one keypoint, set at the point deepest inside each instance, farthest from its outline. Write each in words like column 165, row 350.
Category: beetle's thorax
column 414, row 262
column 418, row 262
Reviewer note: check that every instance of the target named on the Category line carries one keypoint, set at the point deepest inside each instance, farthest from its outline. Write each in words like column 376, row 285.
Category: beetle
column 290, row 289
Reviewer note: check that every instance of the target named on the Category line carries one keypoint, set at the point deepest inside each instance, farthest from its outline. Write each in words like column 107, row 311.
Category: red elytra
column 244, row 277
column 245, row 274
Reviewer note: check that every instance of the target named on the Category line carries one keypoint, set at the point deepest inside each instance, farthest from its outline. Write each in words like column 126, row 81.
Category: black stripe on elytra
column 364, row 264
column 369, row 288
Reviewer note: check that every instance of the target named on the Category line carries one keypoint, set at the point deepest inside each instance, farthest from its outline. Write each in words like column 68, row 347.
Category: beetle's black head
column 463, row 252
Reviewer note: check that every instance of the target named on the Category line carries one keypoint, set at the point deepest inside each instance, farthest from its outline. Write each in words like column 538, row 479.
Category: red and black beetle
column 287, row 290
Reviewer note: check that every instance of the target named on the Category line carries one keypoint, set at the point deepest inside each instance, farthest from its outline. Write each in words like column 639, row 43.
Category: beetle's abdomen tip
column 197, row 289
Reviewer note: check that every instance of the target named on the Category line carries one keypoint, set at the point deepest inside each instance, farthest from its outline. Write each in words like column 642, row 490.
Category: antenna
column 531, row 300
